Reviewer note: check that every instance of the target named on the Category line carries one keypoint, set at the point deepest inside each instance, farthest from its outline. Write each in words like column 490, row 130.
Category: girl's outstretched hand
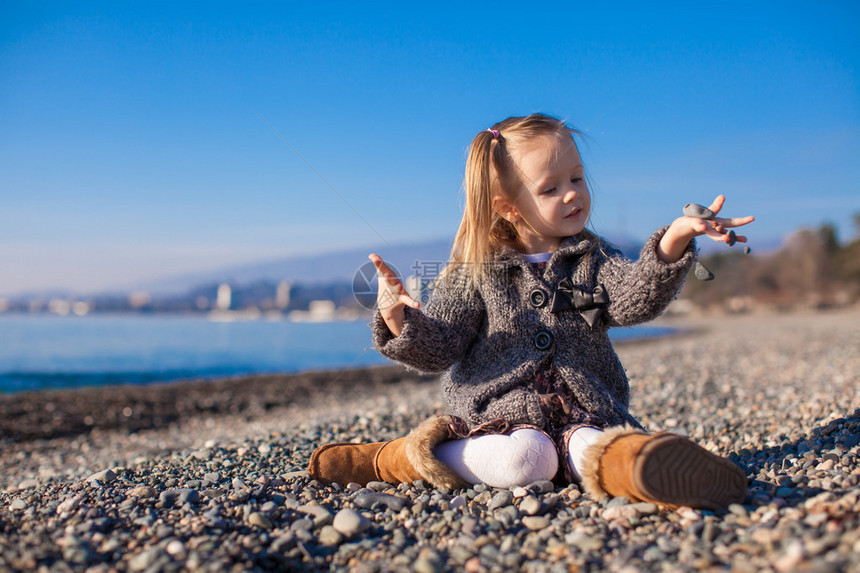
column 683, row 229
column 392, row 297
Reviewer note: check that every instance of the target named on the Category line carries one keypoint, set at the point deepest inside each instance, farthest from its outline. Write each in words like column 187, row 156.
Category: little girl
column 518, row 322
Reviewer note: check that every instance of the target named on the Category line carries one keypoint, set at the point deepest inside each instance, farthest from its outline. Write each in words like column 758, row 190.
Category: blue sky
column 135, row 138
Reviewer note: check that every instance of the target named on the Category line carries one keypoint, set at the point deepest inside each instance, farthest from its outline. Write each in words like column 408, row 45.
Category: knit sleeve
column 438, row 336
column 640, row 291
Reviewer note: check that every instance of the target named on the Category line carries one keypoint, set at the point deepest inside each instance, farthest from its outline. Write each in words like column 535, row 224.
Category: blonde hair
column 491, row 173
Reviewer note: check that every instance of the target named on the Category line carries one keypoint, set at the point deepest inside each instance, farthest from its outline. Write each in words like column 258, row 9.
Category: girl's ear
column 504, row 208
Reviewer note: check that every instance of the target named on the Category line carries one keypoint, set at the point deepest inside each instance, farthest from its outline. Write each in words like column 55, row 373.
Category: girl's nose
column 570, row 194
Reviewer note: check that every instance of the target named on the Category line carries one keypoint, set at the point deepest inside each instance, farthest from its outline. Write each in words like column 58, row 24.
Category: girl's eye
column 576, row 180
column 548, row 191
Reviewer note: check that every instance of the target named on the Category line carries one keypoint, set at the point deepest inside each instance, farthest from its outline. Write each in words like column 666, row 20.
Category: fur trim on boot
column 402, row 460
column 419, row 451
column 591, row 459
column 663, row 468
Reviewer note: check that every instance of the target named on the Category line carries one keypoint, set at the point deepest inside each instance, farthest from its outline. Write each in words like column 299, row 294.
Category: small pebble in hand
column 699, row 211
column 702, row 273
column 733, row 238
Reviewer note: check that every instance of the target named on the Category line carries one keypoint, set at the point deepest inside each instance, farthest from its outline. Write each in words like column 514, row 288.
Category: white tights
column 516, row 459
column 579, row 442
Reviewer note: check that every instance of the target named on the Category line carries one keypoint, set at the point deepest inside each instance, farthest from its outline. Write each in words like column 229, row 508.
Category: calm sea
column 48, row 352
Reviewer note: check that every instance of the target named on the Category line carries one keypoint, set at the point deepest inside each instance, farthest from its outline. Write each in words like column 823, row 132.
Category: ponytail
column 490, row 173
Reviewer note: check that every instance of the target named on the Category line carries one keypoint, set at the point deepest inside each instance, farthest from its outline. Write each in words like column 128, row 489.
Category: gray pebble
column 457, row 502
column 530, row 505
column 77, row 554
column 698, row 211
column 646, row 508
column 145, row 559
column 68, row 505
column 291, row 502
column 283, row 543
column 259, row 520
column 738, row 510
column 378, row 485
column 104, row 477
column 733, row 238
column 290, row 476
column 316, row 510
column 667, row 545
column 507, row 515
column 28, row 483
column 392, row 502
column 428, row 562
column 654, row 554
column 541, row 486
column 212, row 477
column 536, row 522
column 142, row 492
column 583, row 541
column 303, row 524
column 203, row 454
column 702, row 273
column 617, row 502
column 180, row 496
column 18, row 504
column 329, row 536
column 349, row 522
column 501, row 499
column 269, row 507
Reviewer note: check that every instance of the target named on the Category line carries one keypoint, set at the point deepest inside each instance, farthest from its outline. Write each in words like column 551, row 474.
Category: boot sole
column 678, row 472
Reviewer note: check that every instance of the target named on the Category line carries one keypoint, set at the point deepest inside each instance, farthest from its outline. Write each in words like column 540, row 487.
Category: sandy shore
column 778, row 395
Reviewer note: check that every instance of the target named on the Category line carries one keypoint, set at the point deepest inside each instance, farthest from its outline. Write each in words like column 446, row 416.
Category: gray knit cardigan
column 494, row 338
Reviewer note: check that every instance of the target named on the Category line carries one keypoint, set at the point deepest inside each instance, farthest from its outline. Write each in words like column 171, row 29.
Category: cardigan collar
column 572, row 246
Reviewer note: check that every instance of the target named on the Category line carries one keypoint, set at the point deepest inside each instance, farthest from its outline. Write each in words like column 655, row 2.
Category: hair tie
column 495, row 133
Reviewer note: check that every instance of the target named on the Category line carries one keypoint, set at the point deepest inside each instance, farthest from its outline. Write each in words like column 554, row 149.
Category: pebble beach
column 209, row 476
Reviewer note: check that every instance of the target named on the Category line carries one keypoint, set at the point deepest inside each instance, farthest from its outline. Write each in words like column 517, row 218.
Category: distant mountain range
column 334, row 267
column 330, row 267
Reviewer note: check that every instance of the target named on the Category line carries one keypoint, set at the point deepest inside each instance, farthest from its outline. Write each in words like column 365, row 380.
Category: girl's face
column 553, row 200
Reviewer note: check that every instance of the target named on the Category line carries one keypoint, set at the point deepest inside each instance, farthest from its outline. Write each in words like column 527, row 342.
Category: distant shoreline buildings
column 812, row 270
column 222, row 301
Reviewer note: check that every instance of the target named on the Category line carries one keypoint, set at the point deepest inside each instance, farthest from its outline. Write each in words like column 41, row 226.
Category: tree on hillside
column 812, row 268
column 847, row 261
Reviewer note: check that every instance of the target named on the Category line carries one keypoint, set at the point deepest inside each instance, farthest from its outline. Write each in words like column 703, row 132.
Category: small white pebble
column 175, row 547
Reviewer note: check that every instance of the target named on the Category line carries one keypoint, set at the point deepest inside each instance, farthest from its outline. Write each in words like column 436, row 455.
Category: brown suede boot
column 665, row 469
column 402, row 460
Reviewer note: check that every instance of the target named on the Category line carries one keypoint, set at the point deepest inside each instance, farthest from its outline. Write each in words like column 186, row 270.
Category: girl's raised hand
column 717, row 228
column 683, row 229
column 392, row 297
